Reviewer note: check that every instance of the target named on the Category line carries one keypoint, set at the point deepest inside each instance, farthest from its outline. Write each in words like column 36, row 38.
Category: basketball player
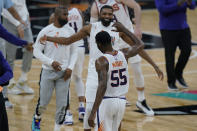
column 58, row 61
column 113, row 83
column 75, row 20
column 121, row 15
column 106, row 17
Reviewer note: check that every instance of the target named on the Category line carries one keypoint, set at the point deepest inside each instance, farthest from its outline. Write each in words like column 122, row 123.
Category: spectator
column 175, row 32
column 7, row 4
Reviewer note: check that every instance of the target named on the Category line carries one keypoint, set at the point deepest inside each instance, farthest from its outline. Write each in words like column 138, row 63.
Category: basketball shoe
column 81, row 113
column 35, row 124
column 68, row 119
column 23, row 86
column 145, row 108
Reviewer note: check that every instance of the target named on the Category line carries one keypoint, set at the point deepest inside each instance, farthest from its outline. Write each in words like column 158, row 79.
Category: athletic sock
column 141, row 96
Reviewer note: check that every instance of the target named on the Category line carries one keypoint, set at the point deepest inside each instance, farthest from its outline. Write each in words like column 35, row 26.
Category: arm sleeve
column 7, row 71
column 11, row 38
column 10, row 18
column 166, row 8
column 38, row 48
column 7, row 4
column 73, row 55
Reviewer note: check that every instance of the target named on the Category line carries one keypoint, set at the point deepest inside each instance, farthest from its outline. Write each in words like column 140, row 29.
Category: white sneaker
column 145, row 108
column 14, row 90
column 23, row 86
column 57, row 127
column 8, row 104
column 81, row 113
column 68, row 119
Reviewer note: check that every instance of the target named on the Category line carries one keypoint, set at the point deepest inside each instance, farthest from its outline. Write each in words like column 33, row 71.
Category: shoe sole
column 144, row 112
column 172, row 89
column 24, row 91
column 68, row 123
column 184, row 87
column 14, row 93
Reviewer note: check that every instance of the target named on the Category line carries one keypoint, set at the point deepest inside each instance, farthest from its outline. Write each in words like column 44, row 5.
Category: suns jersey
column 118, row 75
column 121, row 13
column 75, row 21
column 94, row 51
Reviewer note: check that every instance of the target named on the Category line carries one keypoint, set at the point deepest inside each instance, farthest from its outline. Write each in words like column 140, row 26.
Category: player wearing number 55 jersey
column 106, row 24
column 113, row 83
column 121, row 15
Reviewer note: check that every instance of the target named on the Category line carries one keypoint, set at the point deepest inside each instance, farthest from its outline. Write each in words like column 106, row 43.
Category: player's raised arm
column 102, row 69
column 85, row 31
column 131, row 39
column 137, row 12
column 135, row 43
column 127, row 36
column 94, row 13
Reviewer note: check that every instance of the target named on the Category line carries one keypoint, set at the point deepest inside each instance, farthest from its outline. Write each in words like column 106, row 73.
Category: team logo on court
column 187, row 95
column 178, row 110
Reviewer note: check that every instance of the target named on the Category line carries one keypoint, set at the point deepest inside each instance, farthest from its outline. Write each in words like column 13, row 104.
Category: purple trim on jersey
column 108, row 97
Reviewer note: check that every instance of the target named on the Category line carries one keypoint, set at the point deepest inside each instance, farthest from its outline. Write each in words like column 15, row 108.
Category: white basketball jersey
column 94, row 51
column 118, row 75
column 75, row 20
column 121, row 14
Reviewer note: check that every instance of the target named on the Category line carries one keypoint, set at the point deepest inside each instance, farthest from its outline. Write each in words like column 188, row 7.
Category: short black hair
column 103, row 38
column 106, row 6
column 59, row 9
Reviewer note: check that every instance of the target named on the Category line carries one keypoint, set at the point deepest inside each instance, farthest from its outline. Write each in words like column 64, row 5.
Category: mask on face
column 106, row 22
column 62, row 22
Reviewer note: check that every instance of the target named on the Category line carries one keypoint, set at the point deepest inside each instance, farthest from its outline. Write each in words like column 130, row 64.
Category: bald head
column 61, row 15
column 61, row 10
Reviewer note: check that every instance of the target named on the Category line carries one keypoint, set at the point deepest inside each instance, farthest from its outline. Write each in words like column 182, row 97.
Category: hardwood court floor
column 20, row 116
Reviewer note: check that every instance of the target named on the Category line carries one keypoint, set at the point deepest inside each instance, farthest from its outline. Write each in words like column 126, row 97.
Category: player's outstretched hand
column 159, row 73
column 29, row 46
column 67, row 74
column 119, row 27
column 43, row 39
column 56, row 66
column 91, row 120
